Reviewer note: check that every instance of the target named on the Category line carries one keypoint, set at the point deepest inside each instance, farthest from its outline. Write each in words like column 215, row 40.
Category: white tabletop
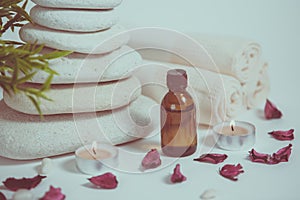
column 275, row 25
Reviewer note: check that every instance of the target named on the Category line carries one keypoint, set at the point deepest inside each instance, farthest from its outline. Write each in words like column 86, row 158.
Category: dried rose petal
column 213, row 158
column 231, row 171
column 177, row 176
column 2, row 197
column 283, row 135
column 105, row 181
column 151, row 160
column 23, row 183
column 282, row 155
column 53, row 194
column 271, row 111
column 260, row 157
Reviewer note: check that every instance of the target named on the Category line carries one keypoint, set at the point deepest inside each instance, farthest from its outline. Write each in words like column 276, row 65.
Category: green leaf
column 26, row 78
column 36, row 104
column 47, row 84
column 55, row 54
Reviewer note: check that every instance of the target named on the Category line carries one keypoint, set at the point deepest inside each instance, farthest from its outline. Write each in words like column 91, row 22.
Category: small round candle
column 90, row 158
column 234, row 135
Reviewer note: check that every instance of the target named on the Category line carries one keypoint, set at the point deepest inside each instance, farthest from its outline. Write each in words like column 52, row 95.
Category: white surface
column 275, row 24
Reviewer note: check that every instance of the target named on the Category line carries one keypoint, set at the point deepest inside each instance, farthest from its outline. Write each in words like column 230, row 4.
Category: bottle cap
column 176, row 79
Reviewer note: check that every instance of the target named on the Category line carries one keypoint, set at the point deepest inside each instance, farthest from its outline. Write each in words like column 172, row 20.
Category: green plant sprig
column 19, row 62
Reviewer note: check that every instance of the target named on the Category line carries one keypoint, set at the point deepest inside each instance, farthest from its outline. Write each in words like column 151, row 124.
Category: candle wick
column 94, row 151
column 232, row 128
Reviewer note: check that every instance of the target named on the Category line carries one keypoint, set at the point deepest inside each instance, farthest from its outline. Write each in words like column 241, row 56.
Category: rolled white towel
column 218, row 97
column 258, row 88
column 228, row 55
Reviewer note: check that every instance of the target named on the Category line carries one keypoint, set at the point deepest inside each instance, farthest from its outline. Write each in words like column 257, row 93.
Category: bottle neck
column 177, row 89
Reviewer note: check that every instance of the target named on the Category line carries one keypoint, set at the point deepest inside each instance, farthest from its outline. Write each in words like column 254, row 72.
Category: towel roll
column 258, row 88
column 217, row 97
column 234, row 56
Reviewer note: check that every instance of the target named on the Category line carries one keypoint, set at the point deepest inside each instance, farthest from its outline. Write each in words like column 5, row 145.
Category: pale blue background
column 275, row 25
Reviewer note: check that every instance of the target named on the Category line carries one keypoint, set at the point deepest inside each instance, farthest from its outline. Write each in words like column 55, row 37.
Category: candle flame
column 94, row 146
column 232, row 125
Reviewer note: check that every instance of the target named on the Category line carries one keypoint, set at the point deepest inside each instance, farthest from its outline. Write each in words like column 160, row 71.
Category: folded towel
column 217, row 97
column 228, row 55
column 237, row 57
column 258, row 87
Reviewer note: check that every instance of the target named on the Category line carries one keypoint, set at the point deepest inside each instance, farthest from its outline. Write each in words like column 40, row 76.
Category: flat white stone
column 74, row 20
column 28, row 137
column 79, row 98
column 22, row 194
column 89, row 43
column 82, row 68
column 87, row 4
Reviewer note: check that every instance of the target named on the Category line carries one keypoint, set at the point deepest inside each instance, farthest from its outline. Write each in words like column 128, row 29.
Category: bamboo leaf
column 47, row 84
column 26, row 78
column 55, row 54
column 36, row 104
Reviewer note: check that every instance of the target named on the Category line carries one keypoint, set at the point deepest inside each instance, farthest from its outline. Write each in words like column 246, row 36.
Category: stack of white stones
column 95, row 97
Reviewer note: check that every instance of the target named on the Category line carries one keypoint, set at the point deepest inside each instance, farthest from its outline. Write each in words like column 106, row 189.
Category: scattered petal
column 213, row 158
column 208, row 194
column 105, row 181
column 260, row 157
column 177, row 176
column 2, row 196
column 271, row 111
column 53, row 194
column 22, row 194
column 231, row 171
column 23, row 183
column 282, row 155
column 283, row 135
column 151, row 160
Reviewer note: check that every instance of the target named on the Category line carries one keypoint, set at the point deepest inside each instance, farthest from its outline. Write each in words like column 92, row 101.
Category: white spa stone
column 74, row 20
column 208, row 194
column 81, row 68
column 46, row 166
column 22, row 194
column 28, row 137
column 79, row 98
column 87, row 4
column 95, row 42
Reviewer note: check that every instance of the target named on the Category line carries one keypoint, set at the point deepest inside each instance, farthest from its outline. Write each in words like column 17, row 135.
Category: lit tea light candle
column 91, row 158
column 234, row 135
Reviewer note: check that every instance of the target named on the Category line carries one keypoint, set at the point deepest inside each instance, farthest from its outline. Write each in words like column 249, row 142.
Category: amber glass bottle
column 178, row 117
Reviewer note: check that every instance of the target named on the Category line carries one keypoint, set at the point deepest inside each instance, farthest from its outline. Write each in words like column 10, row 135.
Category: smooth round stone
column 86, row 20
column 87, row 4
column 82, row 68
column 28, row 137
column 89, row 43
column 79, row 98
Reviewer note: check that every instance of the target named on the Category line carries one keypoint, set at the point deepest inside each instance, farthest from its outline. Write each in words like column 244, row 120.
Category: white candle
column 91, row 158
column 234, row 135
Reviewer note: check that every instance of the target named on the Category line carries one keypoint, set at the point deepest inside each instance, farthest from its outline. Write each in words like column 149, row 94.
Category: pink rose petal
column 105, row 181
column 271, row 111
column 282, row 155
column 260, row 157
column 53, row 194
column 283, row 135
column 177, row 176
column 2, row 197
column 23, row 183
column 151, row 160
column 231, row 171
column 213, row 158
